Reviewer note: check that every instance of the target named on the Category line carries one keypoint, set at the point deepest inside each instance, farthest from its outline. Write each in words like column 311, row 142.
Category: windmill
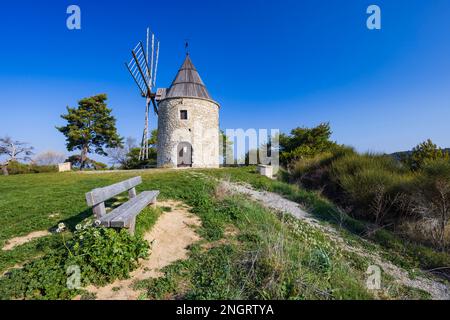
column 143, row 67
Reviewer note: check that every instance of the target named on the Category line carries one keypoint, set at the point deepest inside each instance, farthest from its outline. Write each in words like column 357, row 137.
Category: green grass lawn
column 250, row 263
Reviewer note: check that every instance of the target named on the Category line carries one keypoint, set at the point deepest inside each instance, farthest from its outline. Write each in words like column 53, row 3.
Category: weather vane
column 186, row 46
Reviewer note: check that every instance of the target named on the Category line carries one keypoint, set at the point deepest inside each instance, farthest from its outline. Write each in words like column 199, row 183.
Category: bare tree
column 13, row 150
column 433, row 205
column 382, row 203
column 120, row 155
column 50, row 157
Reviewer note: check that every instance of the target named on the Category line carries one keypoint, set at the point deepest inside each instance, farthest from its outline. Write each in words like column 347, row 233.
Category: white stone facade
column 63, row 167
column 200, row 130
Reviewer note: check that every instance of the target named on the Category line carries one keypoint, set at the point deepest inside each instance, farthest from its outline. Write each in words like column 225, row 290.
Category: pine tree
column 425, row 152
column 90, row 128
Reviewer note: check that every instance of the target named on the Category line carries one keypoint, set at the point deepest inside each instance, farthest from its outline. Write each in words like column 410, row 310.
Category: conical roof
column 188, row 83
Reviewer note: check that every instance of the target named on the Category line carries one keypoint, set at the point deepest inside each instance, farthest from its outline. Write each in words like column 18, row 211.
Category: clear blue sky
column 271, row 64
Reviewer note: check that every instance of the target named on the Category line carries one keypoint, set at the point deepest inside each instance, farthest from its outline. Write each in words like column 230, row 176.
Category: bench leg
column 132, row 226
column 99, row 210
column 132, row 193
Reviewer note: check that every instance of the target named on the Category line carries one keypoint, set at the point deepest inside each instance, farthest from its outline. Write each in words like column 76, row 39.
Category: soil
column 17, row 241
column 170, row 237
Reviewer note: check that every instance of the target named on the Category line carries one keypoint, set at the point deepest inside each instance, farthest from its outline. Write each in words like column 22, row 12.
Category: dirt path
column 17, row 241
column 270, row 200
column 437, row 290
column 170, row 236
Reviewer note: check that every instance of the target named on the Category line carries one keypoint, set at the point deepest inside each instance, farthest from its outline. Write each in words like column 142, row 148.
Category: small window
column 183, row 114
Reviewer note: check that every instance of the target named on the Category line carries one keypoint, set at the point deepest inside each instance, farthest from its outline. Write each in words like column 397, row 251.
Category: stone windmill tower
column 188, row 122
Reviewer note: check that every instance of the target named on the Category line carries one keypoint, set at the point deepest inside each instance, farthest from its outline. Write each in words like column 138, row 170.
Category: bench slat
column 106, row 220
column 123, row 215
column 99, row 195
column 127, row 217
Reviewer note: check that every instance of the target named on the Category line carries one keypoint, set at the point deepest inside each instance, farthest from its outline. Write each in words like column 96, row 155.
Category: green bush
column 320, row 260
column 89, row 164
column 105, row 254
column 314, row 172
column 15, row 167
column 102, row 255
column 133, row 161
column 424, row 153
column 44, row 278
column 381, row 189
column 42, row 169
column 370, row 184
column 305, row 142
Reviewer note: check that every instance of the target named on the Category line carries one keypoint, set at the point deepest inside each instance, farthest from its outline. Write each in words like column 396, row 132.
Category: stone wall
column 201, row 130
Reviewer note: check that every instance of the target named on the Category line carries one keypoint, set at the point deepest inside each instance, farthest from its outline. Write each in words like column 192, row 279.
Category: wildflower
column 78, row 227
column 86, row 225
column 61, row 227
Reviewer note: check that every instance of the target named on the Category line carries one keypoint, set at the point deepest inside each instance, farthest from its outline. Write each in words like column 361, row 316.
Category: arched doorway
column 184, row 154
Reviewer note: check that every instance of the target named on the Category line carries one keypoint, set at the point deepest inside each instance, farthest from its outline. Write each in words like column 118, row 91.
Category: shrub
column 105, row 254
column 371, row 184
column 311, row 172
column 15, row 167
column 425, row 152
column 430, row 199
column 44, row 278
column 102, row 255
column 314, row 172
column 42, row 169
column 320, row 260
column 133, row 161
column 368, row 184
column 75, row 160
column 305, row 142
column 381, row 189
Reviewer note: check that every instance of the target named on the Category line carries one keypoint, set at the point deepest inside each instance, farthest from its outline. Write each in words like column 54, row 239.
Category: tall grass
column 371, row 184
column 382, row 190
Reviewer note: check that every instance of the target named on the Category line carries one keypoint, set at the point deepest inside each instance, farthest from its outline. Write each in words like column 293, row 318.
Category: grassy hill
column 247, row 251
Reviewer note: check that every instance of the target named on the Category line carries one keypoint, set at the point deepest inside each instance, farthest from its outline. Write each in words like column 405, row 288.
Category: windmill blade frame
column 156, row 65
column 143, row 68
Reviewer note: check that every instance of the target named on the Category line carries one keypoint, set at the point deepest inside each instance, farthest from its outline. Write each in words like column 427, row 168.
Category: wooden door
column 184, row 154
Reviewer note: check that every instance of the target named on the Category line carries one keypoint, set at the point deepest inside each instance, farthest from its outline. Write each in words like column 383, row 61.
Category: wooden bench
column 123, row 216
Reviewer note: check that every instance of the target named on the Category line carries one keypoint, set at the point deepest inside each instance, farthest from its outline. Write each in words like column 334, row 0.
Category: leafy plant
column 15, row 167
column 105, row 254
column 102, row 255
column 320, row 260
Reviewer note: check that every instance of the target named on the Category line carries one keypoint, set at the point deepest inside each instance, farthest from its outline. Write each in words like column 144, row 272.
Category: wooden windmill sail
column 143, row 67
